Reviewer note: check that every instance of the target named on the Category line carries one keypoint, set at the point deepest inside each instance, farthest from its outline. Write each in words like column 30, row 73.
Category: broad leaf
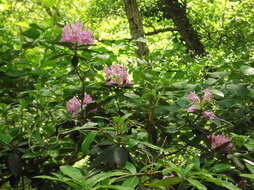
column 88, row 141
column 197, row 184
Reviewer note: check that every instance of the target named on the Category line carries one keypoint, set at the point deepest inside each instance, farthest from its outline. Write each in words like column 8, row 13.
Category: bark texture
column 136, row 25
column 172, row 9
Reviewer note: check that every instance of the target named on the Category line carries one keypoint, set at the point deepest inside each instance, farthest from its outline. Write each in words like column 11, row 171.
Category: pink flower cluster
column 73, row 106
column 196, row 100
column 117, row 75
column 73, row 33
column 87, row 99
column 218, row 141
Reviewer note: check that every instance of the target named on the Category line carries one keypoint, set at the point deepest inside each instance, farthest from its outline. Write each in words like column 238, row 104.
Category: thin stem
column 82, row 80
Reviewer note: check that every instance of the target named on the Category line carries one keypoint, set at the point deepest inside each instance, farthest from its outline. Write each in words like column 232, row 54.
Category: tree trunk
column 174, row 10
column 136, row 26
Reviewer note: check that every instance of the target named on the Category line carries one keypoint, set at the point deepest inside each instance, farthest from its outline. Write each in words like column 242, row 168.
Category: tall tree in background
column 172, row 9
column 136, row 26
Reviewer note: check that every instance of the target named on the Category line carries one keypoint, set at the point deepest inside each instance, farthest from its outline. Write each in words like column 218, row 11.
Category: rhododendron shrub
column 69, row 99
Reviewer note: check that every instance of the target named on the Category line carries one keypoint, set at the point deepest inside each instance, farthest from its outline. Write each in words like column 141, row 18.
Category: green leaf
column 5, row 138
column 183, row 102
column 103, row 56
column 220, row 168
column 247, row 70
column 218, row 74
column 217, row 92
column 129, row 166
column 229, row 185
column 211, row 81
column 72, row 172
column 197, row 184
column 250, row 176
column 102, row 176
column 220, row 182
column 175, row 168
column 88, row 125
column 131, row 182
column 88, row 141
column 250, row 165
column 47, row 177
column 167, row 182
column 48, row 3
column 60, row 179
column 250, row 146
column 30, row 155
column 33, row 32
column 151, row 146
column 132, row 142
column 131, row 95
column 188, row 169
column 116, row 187
column 180, row 85
column 196, row 162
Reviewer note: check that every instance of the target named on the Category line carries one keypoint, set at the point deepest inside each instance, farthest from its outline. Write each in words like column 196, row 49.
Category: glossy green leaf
column 217, row 92
column 197, row 184
column 129, row 166
column 72, row 172
column 220, row 168
column 167, row 182
column 247, row 70
column 89, row 138
column 131, row 182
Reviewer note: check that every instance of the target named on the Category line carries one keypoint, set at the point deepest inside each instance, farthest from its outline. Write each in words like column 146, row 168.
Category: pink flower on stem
column 209, row 115
column 192, row 109
column 117, row 75
column 218, row 141
column 87, row 99
column 207, row 94
column 73, row 33
column 73, row 106
column 193, row 97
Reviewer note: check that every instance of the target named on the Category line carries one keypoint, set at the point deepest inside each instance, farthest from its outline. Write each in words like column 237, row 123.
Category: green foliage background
column 38, row 137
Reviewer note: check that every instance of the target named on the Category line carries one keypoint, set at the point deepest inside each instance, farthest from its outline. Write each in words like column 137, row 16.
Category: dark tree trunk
column 136, row 26
column 172, row 9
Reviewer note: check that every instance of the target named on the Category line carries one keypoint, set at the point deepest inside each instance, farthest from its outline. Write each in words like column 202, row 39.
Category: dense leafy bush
column 80, row 112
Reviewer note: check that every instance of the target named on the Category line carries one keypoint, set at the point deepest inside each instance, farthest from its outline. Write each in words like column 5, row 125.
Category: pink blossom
column 74, row 34
column 217, row 141
column 117, row 75
column 108, row 73
column 86, row 37
column 87, row 99
column 193, row 97
column 73, row 106
column 191, row 109
column 209, row 115
column 207, row 94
